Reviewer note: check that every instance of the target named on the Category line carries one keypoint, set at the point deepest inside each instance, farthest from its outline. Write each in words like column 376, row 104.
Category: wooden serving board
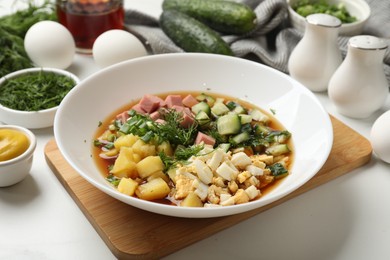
column 133, row 233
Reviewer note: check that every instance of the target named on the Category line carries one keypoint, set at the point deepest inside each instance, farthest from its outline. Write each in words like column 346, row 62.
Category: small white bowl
column 15, row 170
column 358, row 8
column 31, row 119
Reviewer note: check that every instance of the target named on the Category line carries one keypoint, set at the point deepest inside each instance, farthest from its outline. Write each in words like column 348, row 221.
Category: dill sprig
column 20, row 21
column 172, row 131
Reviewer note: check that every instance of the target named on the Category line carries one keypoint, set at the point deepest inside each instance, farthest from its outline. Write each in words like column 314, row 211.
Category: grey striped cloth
column 273, row 39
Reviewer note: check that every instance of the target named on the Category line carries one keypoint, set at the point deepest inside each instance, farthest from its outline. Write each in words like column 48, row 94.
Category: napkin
column 273, row 39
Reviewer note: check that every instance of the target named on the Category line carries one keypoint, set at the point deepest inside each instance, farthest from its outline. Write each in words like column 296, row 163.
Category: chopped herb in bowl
column 35, row 91
column 31, row 97
column 308, row 7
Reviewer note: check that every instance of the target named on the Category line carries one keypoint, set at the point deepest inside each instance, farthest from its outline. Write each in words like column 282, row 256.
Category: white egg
column 50, row 44
column 380, row 137
column 114, row 46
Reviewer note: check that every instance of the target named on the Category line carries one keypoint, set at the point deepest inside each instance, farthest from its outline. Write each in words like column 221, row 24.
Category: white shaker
column 359, row 86
column 317, row 55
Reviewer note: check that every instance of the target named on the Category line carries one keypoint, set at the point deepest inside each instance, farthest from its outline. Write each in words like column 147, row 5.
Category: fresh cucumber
column 201, row 106
column 192, row 35
column 239, row 138
column 223, row 16
column 278, row 149
column 202, row 118
column 219, row 109
column 229, row 124
column 206, row 98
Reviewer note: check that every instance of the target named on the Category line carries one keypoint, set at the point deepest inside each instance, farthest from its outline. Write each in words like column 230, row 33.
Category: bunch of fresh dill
column 13, row 28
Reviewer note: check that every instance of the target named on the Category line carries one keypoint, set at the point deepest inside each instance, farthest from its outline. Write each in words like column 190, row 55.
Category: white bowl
column 98, row 96
column 15, row 170
column 358, row 8
column 31, row 119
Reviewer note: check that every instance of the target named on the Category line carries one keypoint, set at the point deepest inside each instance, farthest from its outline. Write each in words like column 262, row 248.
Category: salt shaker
column 317, row 56
column 359, row 86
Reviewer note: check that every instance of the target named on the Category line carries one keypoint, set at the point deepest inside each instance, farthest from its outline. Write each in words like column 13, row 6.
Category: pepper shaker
column 359, row 86
column 317, row 56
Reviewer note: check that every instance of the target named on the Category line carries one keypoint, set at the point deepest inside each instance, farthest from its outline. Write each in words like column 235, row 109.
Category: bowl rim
column 30, row 150
column 18, row 73
column 194, row 212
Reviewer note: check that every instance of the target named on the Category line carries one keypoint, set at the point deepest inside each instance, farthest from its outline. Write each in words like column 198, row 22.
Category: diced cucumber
column 257, row 115
column 262, row 129
column 229, row 124
column 202, row 118
column 206, row 98
column 239, row 110
column 219, row 100
column 241, row 137
column 278, row 149
column 245, row 119
column 278, row 170
column 201, row 106
column 219, row 109
column 231, row 105
column 224, row 146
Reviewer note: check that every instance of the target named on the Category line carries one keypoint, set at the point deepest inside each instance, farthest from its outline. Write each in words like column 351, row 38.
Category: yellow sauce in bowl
column 12, row 144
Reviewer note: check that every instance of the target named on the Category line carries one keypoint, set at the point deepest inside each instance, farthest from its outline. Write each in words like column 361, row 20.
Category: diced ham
column 150, row 103
column 160, row 100
column 206, row 139
column 189, row 101
column 155, row 115
column 188, row 118
column 138, row 109
column 160, row 121
column 122, row 117
column 173, row 100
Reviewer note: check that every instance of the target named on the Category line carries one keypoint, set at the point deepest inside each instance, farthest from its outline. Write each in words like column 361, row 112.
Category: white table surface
column 347, row 218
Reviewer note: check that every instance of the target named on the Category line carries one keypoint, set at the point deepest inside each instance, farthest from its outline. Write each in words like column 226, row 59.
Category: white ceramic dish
column 31, row 119
column 15, row 170
column 358, row 8
column 95, row 98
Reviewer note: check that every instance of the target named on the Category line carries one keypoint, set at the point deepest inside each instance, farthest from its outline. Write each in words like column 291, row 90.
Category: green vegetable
column 229, row 124
column 206, row 98
column 13, row 57
column 223, row 16
column 278, row 170
column 308, row 7
column 192, row 35
column 201, row 107
column 35, row 91
column 13, row 28
column 113, row 180
column 182, row 154
column 277, row 149
column 19, row 22
column 149, row 130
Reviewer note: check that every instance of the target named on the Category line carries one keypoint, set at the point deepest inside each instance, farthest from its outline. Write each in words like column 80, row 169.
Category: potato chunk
column 149, row 165
column 144, row 149
column 153, row 190
column 192, row 200
column 124, row 165
column 166, row 148
column 125, row 140
column 127, row 186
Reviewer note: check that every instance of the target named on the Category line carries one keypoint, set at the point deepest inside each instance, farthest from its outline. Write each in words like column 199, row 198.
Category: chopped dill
column 35, row 91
